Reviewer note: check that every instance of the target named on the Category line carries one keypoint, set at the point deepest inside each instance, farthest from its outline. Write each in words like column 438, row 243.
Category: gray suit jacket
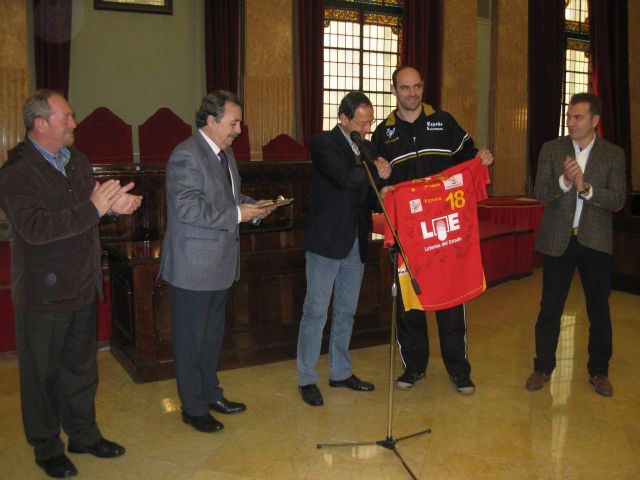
column 201, row 248
column 605, row 171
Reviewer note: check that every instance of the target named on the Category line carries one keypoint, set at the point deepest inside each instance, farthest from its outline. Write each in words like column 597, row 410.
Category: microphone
column 364, row 150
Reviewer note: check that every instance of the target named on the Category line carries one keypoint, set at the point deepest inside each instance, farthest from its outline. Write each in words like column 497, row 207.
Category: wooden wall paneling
column 264, row 307
column 459, row 89
column 509, row 96
column 14, row 89
column 268, row 107
column 634, row 91
column 149, row 221
column 268, row 71
column 626, row 253
column 14, row 75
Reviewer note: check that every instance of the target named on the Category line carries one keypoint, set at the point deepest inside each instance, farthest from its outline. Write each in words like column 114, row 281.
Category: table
column 520, row 212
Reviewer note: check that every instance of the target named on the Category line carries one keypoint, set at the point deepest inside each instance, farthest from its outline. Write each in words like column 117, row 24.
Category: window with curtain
column 362, row 45
column 577, row 71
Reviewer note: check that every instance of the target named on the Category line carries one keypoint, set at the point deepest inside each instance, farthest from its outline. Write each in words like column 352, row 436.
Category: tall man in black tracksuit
column 419, row 141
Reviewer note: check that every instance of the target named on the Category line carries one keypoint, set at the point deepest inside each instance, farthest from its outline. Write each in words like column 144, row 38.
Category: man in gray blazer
column 581, row 179
column 201, row 253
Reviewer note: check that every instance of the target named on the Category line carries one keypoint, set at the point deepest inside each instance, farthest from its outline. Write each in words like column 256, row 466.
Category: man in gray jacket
column 201, row 253
column 581, row 179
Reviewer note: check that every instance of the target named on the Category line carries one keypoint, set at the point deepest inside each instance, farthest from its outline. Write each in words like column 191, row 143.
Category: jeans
column 325, row 275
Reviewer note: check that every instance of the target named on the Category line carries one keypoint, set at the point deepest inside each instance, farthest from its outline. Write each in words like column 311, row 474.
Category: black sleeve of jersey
column 461, row 143
column 377, row 144
column 377, row 141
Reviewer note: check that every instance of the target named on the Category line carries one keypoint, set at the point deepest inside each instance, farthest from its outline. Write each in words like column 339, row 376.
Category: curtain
column 547, row 50
column 309, row 30
column 222, row 44
column 422, row 44
column 52, row 44
column 608, row 28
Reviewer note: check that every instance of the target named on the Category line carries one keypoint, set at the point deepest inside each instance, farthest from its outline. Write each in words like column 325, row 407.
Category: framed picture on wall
column 145, row 6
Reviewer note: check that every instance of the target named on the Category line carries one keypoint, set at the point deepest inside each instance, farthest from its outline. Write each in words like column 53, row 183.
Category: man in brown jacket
column 54, row 205
column 581, row 179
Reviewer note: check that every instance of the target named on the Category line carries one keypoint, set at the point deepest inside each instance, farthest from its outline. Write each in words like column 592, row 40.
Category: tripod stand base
column 389, row 443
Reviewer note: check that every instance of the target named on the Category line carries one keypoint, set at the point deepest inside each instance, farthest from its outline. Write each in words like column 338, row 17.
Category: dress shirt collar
column 586, row 149
column 216, row 149
column 59, row 161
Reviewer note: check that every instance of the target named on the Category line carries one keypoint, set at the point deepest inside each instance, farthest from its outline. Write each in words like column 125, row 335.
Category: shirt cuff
column 239, row 214
column 563, row 187
column 590, row 196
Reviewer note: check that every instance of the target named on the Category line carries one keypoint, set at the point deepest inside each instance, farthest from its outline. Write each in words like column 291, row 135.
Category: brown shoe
column 601, row 384
column 536, row 380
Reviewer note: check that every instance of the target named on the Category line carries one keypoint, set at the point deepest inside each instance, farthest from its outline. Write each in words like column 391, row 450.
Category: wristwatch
column 585, row 191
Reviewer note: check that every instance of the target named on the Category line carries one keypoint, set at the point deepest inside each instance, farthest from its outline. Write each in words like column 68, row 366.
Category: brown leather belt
column 575, row 232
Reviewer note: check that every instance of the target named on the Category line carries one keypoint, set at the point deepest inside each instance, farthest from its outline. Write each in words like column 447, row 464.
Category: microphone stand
column 389, row 442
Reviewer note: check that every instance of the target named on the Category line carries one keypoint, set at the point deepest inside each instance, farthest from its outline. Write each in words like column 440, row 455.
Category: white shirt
column 582, row 156
column 216, row 149
column 353, row 146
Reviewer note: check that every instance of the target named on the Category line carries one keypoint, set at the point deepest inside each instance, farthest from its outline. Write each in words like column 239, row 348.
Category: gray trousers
column 197, row 324
column 58, row 378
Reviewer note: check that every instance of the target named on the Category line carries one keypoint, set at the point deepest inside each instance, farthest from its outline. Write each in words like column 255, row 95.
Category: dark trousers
column 197, row 323
column 58, row 378
column 594, row 268
column 413, row 338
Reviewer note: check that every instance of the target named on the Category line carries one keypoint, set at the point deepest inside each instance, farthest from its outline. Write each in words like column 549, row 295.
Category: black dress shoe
column 311, row 395
column 227, row 407
column 58, row 467
column 203, row 423
column 103, row 448
column 354, row 383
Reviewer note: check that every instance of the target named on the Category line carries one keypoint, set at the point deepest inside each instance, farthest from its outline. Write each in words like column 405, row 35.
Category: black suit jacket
column 341, row 198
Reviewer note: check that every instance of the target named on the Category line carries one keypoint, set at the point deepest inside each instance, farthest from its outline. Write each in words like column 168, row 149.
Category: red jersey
column 436, row 220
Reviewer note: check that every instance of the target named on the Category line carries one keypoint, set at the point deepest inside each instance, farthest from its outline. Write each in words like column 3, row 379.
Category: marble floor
column 564, row 431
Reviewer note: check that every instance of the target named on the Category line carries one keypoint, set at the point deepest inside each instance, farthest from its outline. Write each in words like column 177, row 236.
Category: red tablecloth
column 519, row 212
column 507, row 251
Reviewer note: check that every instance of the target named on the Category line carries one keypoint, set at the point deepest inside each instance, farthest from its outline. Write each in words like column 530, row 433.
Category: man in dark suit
column 201, row 253
column 339, row 222
column 54, row 205
column 581, row 179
